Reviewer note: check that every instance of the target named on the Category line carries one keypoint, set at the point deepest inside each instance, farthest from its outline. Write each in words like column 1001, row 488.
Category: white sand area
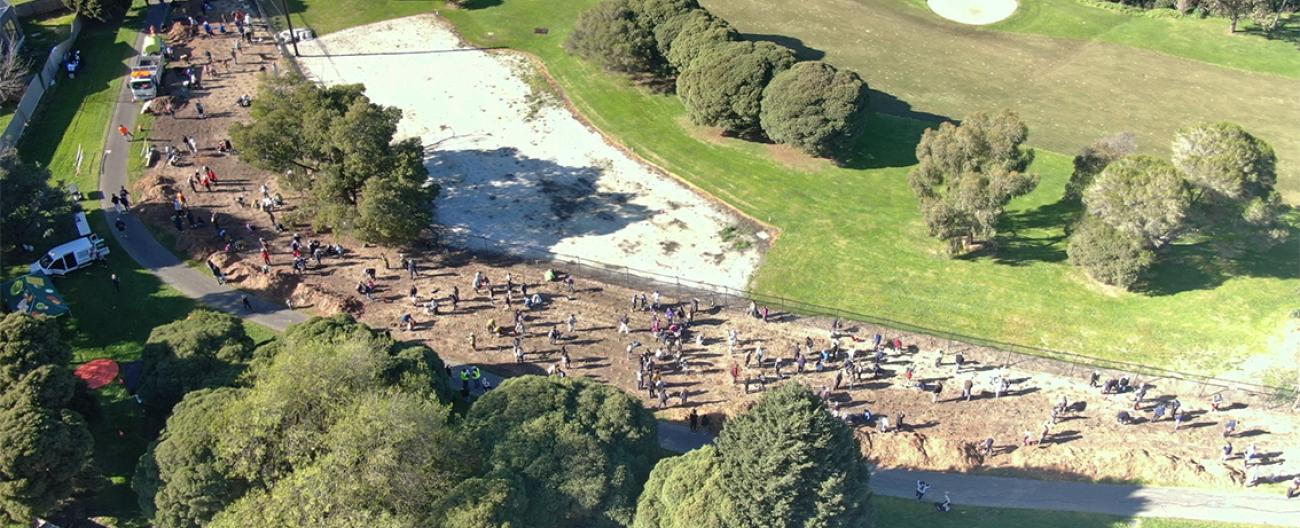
column 545, row 180
column 974, row 12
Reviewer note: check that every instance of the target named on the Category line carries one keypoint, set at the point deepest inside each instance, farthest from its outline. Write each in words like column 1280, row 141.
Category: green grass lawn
column 902, row 513
column 1070, row 90
column 328, row 16
column 852, row 238
column 1201, row 39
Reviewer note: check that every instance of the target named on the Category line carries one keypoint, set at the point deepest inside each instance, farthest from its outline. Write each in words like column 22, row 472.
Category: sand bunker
column 974, row 12
column 517, row 168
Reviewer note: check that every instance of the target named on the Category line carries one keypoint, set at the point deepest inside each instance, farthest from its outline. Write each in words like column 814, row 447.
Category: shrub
column 610, row 35
column 814, row 106
column 724, row 87
column 696, row 36
column 1109, row 255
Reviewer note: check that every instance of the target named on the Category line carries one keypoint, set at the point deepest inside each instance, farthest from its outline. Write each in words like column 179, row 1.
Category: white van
column 71, row 256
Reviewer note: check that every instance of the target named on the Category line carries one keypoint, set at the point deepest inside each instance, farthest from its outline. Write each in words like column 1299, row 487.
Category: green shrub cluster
column 754, row 90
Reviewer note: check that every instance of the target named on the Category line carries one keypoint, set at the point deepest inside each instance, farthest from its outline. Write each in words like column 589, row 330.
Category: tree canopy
column 578, row 450
column 180, row 481
column 652, row 13
column 724, row 86
column 46, row 445
column 335, row 411
column 610, row 35
column 967, row 173
column 1095, row 158
column 785, row 463
column 815, row 107
column 1234, row 177
column 1109, row 255
column 28, row 343
column 697, row 35
column 206, row 349
column 31, row 210
column 1141, row 196
column 339, row 144
column 685, row 492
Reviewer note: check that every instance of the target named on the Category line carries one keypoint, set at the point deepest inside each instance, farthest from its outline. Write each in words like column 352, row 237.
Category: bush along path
column 139, row 243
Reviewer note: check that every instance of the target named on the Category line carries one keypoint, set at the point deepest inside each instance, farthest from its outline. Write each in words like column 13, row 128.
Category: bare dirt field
column 518, row 167
column 1085, row 443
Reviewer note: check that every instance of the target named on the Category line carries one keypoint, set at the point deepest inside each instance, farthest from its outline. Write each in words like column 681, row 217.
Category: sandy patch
column 518, row 172
column 974, row 12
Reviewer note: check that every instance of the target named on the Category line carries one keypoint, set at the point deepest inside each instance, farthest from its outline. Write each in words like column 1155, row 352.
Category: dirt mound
column 912, row 449
column 178, row 33
column 324, row 302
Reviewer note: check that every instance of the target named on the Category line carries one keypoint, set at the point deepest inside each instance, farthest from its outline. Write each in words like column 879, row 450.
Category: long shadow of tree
column 1208, row 264
column 502, row 195
column 1035, row 235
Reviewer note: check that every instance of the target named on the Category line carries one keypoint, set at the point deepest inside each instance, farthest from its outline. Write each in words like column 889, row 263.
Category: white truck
column 74, row 255
column 146, row 77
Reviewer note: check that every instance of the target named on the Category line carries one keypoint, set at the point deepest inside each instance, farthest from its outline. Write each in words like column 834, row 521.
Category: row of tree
column 1219, row 186
column 336, row 149
column 46, row 454
column 749, row 89
column 335, row 424
column 1267, row 14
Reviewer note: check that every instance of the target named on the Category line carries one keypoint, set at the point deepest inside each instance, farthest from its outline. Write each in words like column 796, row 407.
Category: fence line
column 989, row 351
column 40, row 83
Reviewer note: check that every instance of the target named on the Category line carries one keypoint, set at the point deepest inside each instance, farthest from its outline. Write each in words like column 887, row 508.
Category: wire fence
column 986, row 351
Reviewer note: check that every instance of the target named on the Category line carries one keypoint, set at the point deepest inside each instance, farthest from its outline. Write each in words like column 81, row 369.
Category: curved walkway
column 1127, row 501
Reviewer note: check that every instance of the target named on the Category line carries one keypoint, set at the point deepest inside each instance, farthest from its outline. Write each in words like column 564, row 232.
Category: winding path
column 1127, row 501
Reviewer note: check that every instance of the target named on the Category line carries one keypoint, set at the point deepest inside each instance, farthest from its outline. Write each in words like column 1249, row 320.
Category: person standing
column 248, row 306
column 966, row 389
column 117, row 285
column 694, row 419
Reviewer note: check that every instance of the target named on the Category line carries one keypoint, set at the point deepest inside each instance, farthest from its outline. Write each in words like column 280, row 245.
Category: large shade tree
column 724, row 86
column 338, row 143
column 578, row 450
column 1233, row 176
column 609, row 34
column 46, row 447
column 815, row 107
column 206, row 349
column 1095, row 158
column 32, row 212
column 694, row 36
column 1142, row 196
column 967, row 173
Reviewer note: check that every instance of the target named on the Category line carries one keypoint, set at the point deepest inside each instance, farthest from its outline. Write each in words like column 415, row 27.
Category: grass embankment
column 1190, row 37
column 853, row 238
column 903, row 513
column 104, row 323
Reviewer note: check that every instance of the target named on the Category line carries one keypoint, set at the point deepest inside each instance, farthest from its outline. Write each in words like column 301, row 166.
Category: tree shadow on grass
column 1204, row 265
column 1035, row 235
column 886, row 141
column 801, row 50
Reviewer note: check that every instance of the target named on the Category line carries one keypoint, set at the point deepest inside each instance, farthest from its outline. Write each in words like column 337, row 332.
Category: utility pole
column 293, row 37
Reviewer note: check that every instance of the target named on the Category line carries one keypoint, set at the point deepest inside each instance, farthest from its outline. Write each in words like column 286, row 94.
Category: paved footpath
column 1128, row 501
